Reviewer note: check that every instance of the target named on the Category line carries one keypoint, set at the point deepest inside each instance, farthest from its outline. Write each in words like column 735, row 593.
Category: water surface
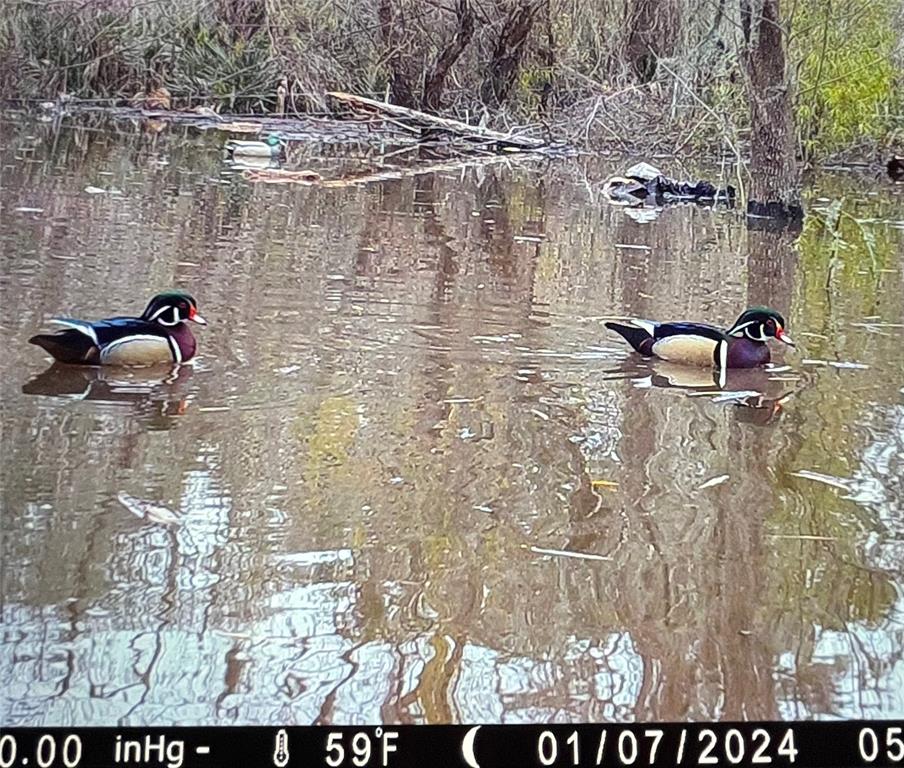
column 411, row 478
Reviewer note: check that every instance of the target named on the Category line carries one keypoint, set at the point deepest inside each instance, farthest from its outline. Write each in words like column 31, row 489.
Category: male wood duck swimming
column 272, row 146
column 741, row 346
column 160, row 335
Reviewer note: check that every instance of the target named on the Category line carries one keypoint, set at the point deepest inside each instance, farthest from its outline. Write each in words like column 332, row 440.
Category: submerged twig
column 569, row 553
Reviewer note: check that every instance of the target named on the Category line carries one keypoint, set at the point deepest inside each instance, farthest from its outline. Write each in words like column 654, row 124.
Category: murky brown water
column 407, row 420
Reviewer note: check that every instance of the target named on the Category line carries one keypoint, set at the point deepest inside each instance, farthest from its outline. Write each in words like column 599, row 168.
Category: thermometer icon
column 281, row 752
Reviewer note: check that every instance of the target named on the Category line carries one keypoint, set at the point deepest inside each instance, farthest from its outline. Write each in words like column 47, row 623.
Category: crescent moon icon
column 467, row 747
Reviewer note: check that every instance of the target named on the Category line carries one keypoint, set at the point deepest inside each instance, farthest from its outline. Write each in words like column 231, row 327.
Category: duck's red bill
column 782, row 336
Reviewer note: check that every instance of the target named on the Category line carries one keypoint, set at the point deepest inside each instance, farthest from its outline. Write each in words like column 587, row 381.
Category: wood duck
column 160, row 335
column 272, row 146
column 741, row 346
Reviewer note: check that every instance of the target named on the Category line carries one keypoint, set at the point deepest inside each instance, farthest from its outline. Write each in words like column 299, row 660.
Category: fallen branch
column 428, row 125
column 295, row 129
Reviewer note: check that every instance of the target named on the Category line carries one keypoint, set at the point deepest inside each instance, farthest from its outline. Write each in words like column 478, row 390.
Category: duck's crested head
column 171, row 308
column 759, row 324
column 273, row 140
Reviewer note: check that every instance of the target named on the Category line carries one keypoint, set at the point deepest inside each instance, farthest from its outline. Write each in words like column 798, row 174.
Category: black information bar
column 777, row 744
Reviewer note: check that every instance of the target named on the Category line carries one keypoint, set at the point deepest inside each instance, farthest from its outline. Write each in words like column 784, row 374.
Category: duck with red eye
column 160, row 335
column 743, row 345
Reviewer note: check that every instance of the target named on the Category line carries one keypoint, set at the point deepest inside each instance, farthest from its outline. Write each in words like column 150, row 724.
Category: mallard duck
column 272, row 146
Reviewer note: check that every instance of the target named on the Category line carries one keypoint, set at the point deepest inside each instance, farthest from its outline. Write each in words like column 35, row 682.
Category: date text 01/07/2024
column 748, row 744
column 798, row 745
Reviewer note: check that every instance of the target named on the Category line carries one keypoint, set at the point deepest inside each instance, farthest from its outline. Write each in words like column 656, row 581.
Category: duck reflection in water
column 155, row 395
column 756, row 392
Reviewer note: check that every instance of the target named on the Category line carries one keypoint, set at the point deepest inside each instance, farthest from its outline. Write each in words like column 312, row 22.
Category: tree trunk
column 653, row 26
column 392, row 32
column 775, row 187
column 508, row 52
column 547, row 54
column 435, row 79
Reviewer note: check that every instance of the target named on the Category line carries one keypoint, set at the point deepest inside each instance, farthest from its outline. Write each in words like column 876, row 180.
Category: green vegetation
column 848, row 80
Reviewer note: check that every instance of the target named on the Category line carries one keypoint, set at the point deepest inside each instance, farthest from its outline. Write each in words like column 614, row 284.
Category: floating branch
column 429, row 125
